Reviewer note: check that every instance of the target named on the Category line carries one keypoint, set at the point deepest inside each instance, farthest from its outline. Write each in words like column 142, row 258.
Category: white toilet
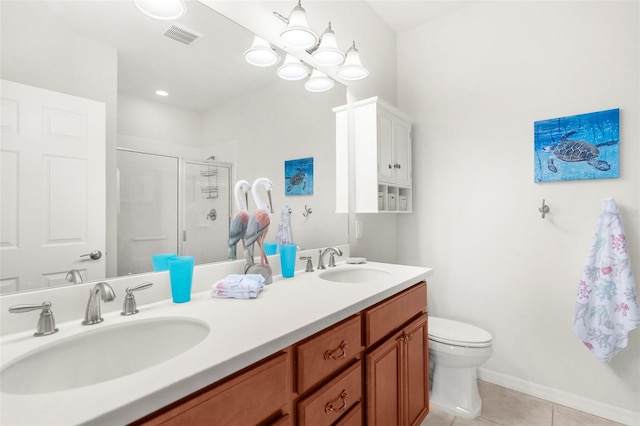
column 455, row 350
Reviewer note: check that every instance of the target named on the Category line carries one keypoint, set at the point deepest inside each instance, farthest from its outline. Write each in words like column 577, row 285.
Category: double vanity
column 313, row 349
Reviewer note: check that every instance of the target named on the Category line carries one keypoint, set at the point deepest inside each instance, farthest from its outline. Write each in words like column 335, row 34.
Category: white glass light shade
column 297, row 34
column 292, row 69
column 352, row 68
column 328, row 53
column 261, row 54
column 165, row 10
column 319, row 82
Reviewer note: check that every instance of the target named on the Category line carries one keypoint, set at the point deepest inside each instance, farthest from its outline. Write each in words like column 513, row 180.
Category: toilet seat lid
column 457, row 333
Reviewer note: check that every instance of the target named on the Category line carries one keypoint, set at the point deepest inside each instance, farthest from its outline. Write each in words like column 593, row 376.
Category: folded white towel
column 223, row 294
column 607, row 303
column 240, row 286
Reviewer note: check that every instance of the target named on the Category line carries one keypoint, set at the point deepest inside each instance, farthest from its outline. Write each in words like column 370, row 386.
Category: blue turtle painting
column 582, row 146
column 298, row 175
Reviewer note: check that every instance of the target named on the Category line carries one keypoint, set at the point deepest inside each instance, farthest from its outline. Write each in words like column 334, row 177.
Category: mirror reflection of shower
column 170, row 204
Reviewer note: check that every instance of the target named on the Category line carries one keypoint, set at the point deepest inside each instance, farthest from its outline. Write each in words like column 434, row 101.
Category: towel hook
column 307, row 211
column 544, row 209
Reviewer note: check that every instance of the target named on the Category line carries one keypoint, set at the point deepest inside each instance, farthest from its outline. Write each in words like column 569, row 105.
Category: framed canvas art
column 584, row 146
column 298, row 176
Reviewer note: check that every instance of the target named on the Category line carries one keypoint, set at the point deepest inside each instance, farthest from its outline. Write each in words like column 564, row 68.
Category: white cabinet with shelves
column 382, row 151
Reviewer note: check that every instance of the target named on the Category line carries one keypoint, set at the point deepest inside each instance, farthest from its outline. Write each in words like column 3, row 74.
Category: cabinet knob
column 389, row 165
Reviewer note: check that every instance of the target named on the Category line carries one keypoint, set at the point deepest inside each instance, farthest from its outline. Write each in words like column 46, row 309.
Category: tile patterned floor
column 505, row 407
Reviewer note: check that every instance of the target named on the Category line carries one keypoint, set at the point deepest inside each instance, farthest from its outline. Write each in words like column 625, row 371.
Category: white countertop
column 241, row 333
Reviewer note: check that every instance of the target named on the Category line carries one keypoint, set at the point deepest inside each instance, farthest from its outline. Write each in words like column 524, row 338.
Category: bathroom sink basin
column 102, row 354
column 355, row 275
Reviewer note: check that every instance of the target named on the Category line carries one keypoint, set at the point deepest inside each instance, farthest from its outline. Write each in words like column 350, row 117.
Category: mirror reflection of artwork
column 584, row 146
column 298, row 176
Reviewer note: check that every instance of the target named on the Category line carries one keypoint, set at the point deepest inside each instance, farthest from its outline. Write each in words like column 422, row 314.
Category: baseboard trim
column 617, row 414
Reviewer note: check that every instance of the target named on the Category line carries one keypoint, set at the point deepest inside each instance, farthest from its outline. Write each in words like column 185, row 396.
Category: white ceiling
column 401, row 15
column 206, row 73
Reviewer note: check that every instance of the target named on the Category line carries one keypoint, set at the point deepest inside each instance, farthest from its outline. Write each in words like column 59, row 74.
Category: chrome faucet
column 332, row 260
column 92, row 314
column 46, row 322
column 74, row 276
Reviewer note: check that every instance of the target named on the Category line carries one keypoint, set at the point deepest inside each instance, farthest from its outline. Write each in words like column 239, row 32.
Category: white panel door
column 53, row 187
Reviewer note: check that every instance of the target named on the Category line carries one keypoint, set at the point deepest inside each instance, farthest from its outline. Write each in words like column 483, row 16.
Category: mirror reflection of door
column 147, row 210
column 53, row 187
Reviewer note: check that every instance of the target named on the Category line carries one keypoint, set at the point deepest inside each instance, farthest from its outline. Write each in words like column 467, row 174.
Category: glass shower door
column 148, row 209
column 206, row 209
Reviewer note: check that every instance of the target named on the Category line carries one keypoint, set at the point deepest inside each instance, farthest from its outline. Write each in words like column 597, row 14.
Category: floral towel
column 607, row 302
column 283, row 236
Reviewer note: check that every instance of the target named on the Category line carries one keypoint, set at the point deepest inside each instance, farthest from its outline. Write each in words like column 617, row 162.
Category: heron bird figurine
column 240, row 219
column 257, row 229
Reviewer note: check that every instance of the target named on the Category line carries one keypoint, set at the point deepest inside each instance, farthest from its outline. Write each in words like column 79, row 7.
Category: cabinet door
column 402, row 152
column 385, row 147
column 384, row 383
column 416, row 370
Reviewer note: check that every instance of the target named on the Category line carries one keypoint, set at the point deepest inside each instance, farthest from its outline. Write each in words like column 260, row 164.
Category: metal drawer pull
column 342, row 347
column 343, row 397
column 404, row 337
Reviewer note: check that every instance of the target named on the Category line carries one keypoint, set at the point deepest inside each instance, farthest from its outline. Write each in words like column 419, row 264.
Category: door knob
column 94, row 255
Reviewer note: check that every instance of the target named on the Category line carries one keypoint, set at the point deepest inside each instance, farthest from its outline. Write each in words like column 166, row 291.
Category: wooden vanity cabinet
column 397, row 365
column 369, row 369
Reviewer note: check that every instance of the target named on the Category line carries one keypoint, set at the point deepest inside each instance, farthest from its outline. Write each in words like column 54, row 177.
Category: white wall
column 160, row 129
column 278, row 123
column 475, row 81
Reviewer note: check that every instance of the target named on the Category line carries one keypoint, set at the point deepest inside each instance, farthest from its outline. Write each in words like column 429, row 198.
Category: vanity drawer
column 327, row 352
column 389, row 315
column 257, row 395
column 326, row 405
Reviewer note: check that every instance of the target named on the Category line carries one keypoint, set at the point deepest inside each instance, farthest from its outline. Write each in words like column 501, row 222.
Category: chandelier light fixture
column 324, row 52
column 292, row 69
column 327, row 52
column 297, row 34
column 352, row 68
column 261, row 53
column 165, row 10
column 319, row 82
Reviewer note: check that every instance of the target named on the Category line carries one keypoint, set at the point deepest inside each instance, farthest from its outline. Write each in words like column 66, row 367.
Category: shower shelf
column 210, row 189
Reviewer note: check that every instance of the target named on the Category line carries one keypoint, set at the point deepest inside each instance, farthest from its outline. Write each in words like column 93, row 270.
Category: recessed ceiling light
column 162, row 93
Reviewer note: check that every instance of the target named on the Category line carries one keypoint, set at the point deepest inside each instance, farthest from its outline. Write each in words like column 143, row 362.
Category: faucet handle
column 46, row 322
column 129, row 306
column 309, row 267
column 332, row 259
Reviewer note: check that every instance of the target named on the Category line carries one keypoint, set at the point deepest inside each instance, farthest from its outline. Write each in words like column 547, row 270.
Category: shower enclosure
column 171, row 205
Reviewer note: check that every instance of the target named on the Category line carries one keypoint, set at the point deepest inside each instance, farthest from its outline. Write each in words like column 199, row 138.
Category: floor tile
column 478, row 421
column 437, row 418
column 565, row 416
column 510, row 408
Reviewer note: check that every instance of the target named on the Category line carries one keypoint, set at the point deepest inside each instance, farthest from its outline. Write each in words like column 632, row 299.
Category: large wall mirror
column 222, row 120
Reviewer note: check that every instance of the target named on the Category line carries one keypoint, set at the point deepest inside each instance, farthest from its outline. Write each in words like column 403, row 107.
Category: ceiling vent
column 182, row 34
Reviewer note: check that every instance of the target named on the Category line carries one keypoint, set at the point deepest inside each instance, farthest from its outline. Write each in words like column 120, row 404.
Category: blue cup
column 270, row 248
column 181, row 275
column 161, row 261
column 288, row 259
